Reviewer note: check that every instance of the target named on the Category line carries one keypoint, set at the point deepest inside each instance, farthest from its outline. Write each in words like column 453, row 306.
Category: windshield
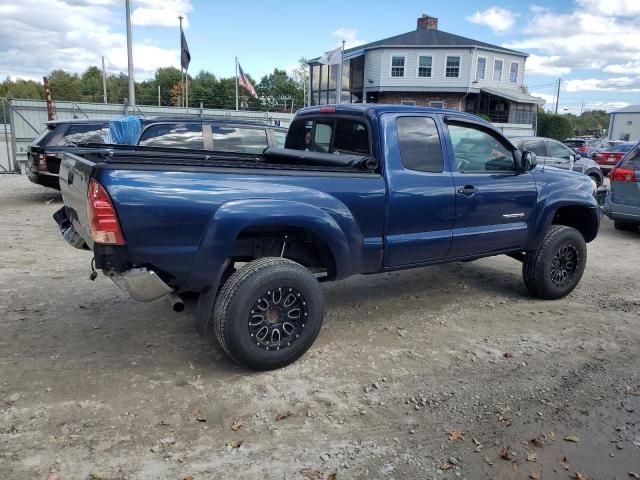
column 625, row 147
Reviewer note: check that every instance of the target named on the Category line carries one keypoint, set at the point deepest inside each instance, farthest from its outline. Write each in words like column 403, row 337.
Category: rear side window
column 632, row 160
column 279, row 138
column 536, row 146
column 575, row 143
column 242, row 140
column 329, row 136
column 82, row 133
column 186, row 135
column 558, row 150
column 420, row 147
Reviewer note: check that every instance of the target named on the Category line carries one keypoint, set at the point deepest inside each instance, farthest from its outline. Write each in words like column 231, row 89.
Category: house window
column 424, row 66
column 497, row 70
column 397, row 66
column 408, row 103
column 452, row 69
column 436, row 104
column 481, row 68
column 513, row 72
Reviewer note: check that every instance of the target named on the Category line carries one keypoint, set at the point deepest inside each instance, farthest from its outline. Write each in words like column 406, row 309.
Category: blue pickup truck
column 357, row 189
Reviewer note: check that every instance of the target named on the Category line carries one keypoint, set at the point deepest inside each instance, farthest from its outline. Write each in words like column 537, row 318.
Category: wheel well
column 300, row 245
column 583, row 219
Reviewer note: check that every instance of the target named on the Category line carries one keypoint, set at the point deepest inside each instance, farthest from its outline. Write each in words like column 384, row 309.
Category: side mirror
column 529, row 161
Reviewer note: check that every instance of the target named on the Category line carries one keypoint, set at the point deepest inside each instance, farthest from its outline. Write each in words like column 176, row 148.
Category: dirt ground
column 443, row 372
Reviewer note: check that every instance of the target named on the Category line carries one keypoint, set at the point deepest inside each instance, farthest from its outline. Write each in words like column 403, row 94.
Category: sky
column 593, row 45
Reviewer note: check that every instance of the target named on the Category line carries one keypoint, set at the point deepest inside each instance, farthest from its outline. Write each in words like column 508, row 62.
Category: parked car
column 556, row 154
column 608, row 158
column 358, row 189
column 622, row 204
column 221, row 135
column 585, row 147
column 45, row 152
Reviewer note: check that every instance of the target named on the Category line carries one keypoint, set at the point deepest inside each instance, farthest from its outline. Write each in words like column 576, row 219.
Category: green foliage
column 553, row 126
column 205, row 88
column 588, row 121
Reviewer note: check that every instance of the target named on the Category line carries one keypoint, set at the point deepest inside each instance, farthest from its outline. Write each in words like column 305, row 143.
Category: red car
column 610, row 157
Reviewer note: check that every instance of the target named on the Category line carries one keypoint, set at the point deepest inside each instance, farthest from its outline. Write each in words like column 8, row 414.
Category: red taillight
column 623, row 175
column 102, row 216
column 327, row 109
column 42, row 162
column 583, row 149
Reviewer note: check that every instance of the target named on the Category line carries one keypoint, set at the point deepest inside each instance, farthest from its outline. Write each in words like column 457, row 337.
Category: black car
column 201, row 134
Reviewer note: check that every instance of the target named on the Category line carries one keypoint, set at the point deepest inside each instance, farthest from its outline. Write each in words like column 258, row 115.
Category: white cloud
column 350, row 36
column 627, row 84
column 161, row 13
column 621, row 8
column 548, row 99
column 72, row 35
column 541, row 65
column 632, row 67
column 498, row 19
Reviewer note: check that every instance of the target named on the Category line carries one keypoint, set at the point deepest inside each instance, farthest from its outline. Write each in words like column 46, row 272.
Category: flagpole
column 339, row 82
column 236, row 83
column 180, row 17
column 186, row 89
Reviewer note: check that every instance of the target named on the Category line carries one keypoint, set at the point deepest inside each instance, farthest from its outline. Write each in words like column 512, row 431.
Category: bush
column 553, row 126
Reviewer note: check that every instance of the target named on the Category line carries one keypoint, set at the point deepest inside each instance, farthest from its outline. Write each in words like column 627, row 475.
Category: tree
column 553, row 126
column 277, row 88
column 166, row 77
column 91, row 85
column 20, row 88
column 65, row 86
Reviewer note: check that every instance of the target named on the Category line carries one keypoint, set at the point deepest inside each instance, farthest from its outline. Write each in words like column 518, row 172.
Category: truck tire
column 268, row 313
column 555, row 268
column 626, row 226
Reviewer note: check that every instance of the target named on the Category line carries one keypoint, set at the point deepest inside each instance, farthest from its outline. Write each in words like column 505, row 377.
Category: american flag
column 245, row 82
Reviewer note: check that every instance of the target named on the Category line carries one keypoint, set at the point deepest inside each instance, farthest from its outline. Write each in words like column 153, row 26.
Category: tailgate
column 75, row 173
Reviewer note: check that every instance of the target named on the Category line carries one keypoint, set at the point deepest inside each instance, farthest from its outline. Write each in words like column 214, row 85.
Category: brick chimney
column 425, row 21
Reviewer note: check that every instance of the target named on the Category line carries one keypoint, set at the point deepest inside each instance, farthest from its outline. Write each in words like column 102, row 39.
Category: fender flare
column 235, row 216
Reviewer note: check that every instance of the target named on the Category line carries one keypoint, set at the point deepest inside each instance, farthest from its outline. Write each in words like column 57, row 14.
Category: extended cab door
column 495, row 205
column 420, row 190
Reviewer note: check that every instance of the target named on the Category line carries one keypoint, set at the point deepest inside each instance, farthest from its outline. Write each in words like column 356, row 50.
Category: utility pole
column 158, row 95
column 558, row 95
column 339, row 79
column 104, row 81
column 132, row 85
column 236, row 83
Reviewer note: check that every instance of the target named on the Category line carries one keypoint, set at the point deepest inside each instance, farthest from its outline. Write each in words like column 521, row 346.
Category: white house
column 624, row 124
column 429, row 67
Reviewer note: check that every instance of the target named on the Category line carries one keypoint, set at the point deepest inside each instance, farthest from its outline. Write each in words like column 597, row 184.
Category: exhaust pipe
column 177, row 305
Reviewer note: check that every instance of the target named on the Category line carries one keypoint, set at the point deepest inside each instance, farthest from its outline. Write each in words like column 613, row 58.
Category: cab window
column 477, row 150
column 558, row 150
column 238, row 139
column 329, row 136
column 420, row 147
column 536, row 146
column 185, row 135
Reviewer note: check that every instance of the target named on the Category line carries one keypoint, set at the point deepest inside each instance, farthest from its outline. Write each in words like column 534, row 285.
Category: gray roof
column 431, row 37
column 628, row 109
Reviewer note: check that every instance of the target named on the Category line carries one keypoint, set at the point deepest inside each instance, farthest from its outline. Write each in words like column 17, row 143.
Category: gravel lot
column 443, row 372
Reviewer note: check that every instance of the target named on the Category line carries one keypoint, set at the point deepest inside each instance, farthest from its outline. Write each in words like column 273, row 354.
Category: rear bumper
column 45, row 179
column 141, row 284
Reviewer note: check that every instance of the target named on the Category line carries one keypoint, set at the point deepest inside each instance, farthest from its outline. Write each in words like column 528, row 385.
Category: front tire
column 555, row 268
column 268, row 313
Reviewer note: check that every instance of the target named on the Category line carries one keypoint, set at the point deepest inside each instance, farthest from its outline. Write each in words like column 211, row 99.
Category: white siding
column 411, row 79
column 491, row 56
column 372, row 68
column 621, row 126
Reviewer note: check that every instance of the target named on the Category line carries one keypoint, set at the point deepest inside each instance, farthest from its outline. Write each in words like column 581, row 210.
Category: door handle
column 467, row 190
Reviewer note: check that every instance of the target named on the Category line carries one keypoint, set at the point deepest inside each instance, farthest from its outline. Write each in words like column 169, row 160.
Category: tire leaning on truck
column 268, row 313
column 556, row 266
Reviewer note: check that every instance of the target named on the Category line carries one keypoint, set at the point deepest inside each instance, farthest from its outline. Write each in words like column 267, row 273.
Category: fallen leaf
column 455, row 436
column 507, row 355
column 534, row 475
column 235, row 444
column 532, row 457
column 312, row 473
column 333, row 476
column 237, row 425
column 505, row 453
column 572, row 438
column 445, row 466
column 564, row 463
column 580, row 476
column 188, row 477
column 201, row 419
column 282, row 416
